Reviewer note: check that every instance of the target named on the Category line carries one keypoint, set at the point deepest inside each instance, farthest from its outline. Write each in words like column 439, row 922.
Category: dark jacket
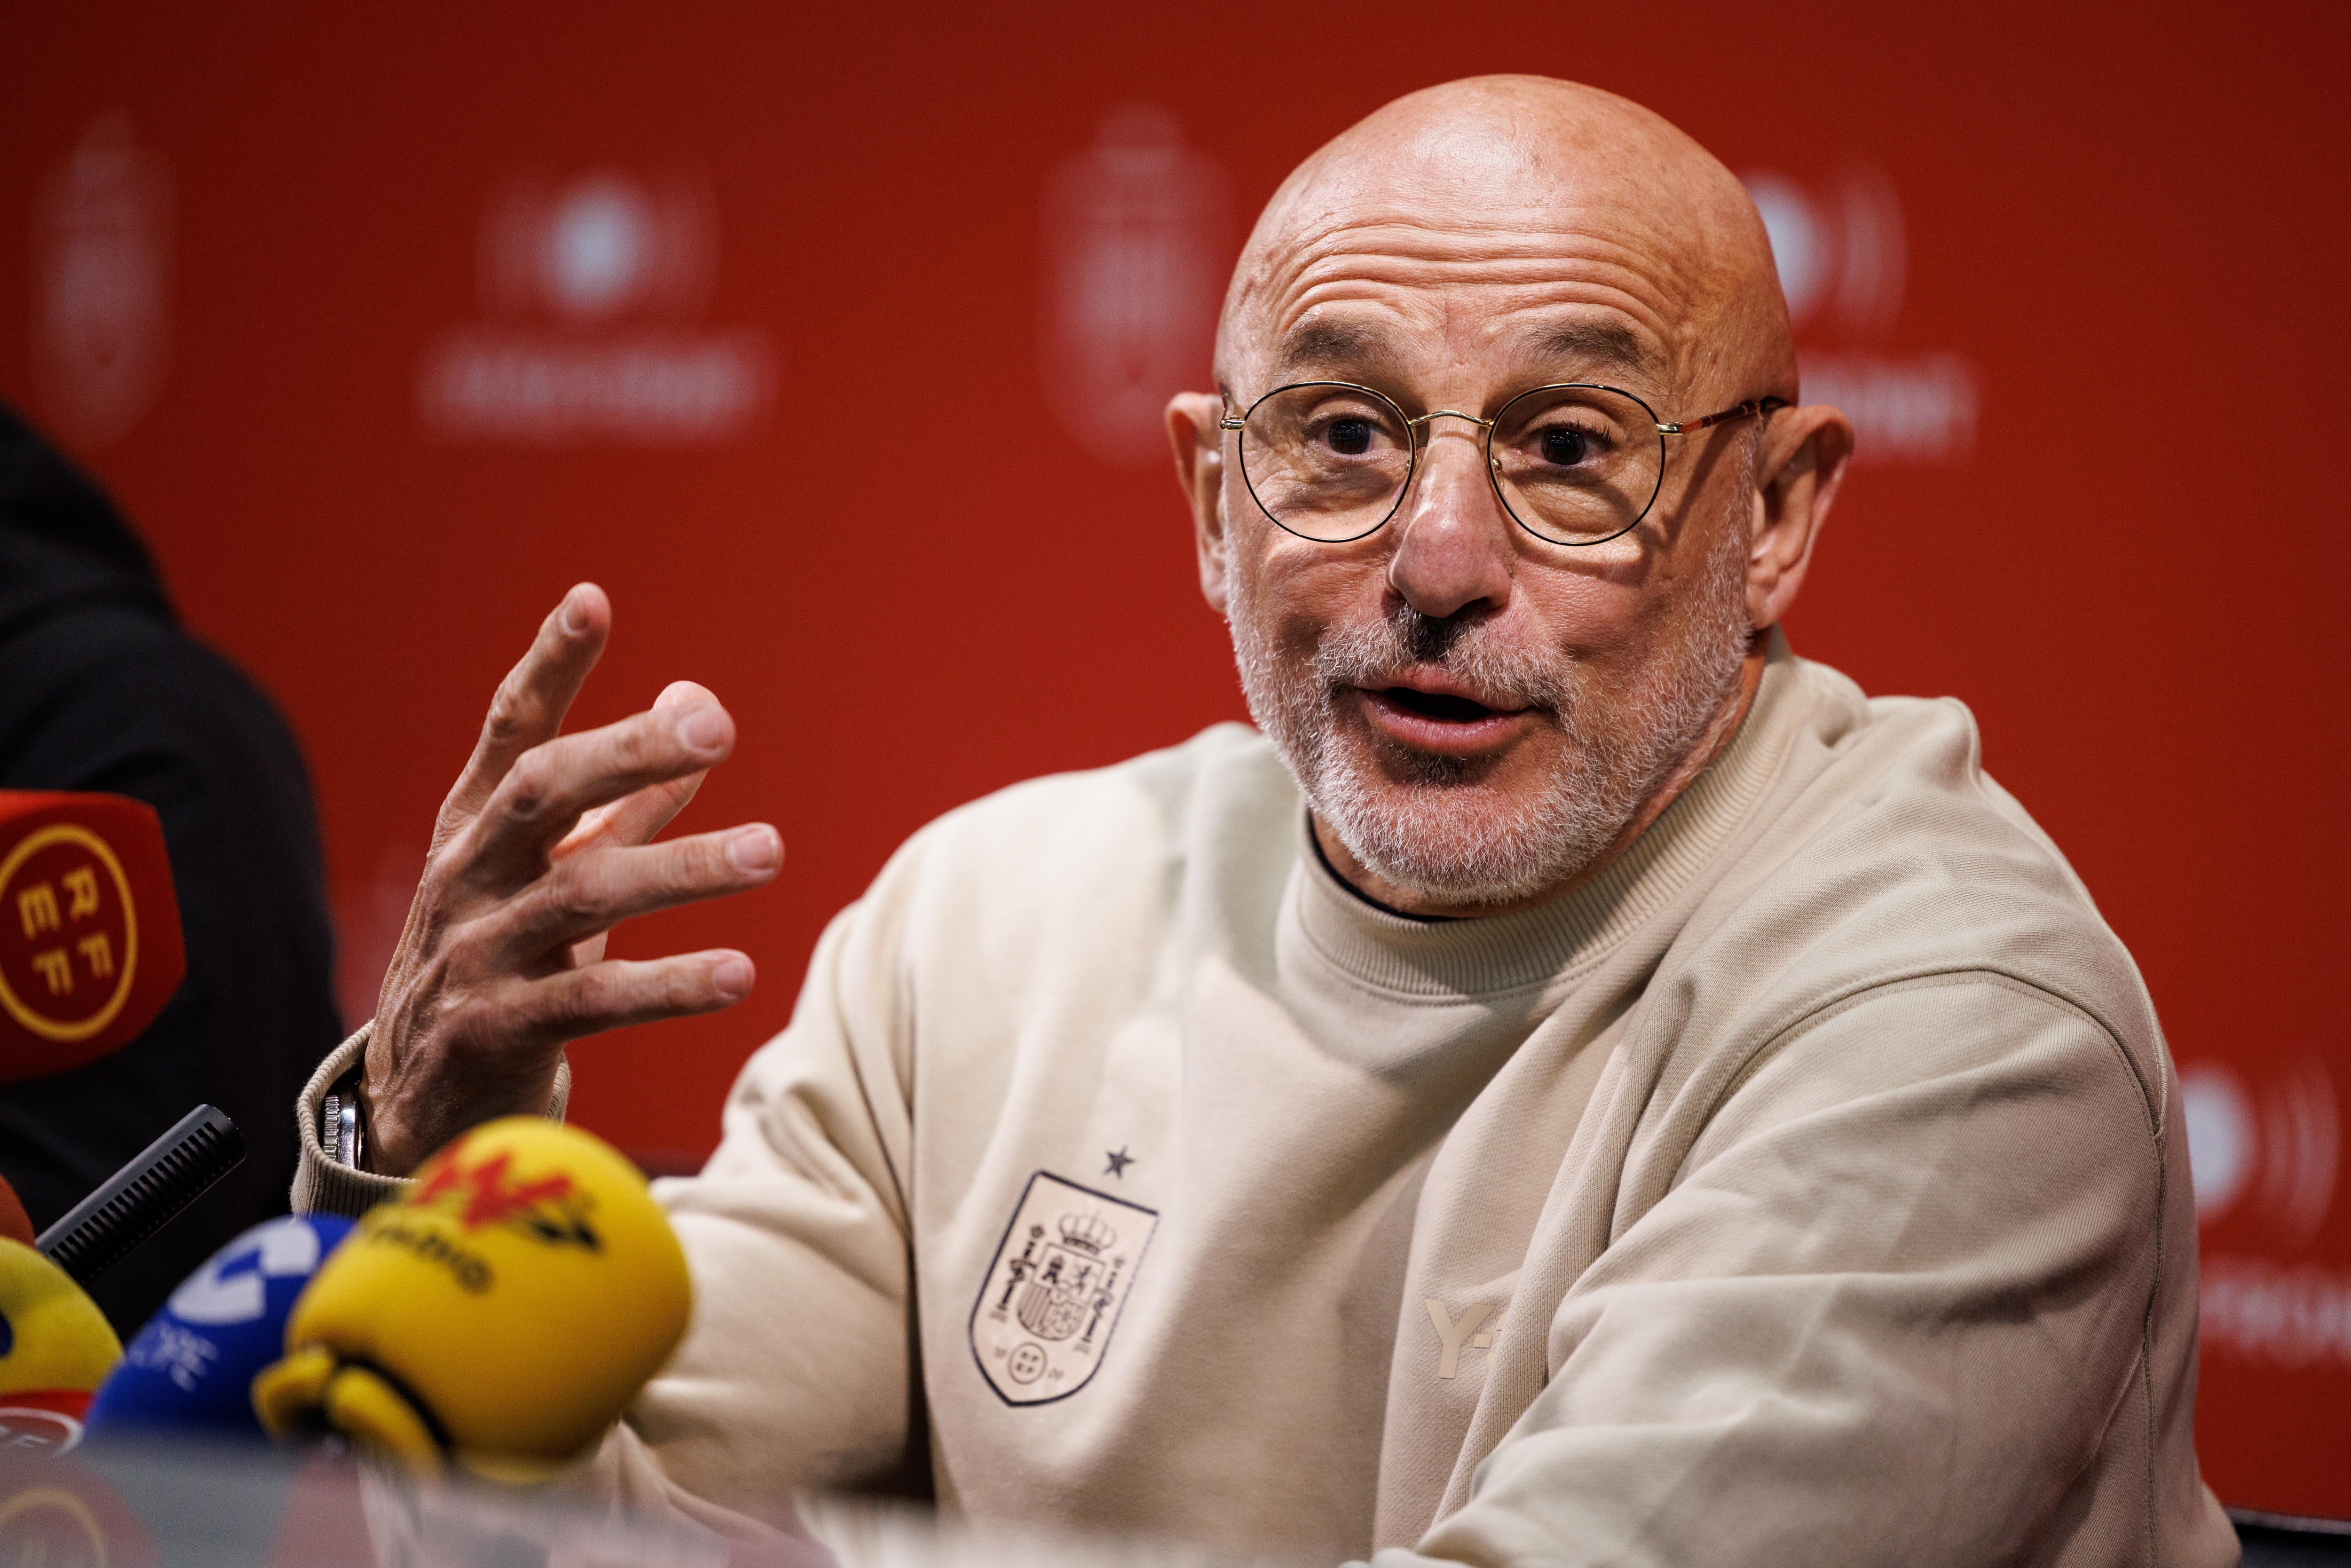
column 101, row 689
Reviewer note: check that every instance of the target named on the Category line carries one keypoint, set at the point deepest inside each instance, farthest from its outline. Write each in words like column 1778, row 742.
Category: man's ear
column 1195, row 430
column 1797, row 473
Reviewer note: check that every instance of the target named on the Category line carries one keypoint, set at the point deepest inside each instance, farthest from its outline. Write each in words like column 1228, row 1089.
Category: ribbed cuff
column 322, row 1186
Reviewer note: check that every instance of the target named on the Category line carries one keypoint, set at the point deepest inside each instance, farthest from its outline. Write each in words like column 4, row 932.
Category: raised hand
column 541, row 849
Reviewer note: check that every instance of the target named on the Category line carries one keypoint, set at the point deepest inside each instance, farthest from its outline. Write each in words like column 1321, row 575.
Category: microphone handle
column 141, row 1198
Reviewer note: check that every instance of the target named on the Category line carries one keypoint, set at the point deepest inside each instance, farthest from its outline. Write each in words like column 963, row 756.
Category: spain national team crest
column 1061, row 1275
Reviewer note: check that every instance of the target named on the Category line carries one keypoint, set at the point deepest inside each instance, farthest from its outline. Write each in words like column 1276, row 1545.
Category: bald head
column 1574, row 193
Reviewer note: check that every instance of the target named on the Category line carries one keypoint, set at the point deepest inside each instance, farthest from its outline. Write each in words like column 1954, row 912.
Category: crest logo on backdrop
column 102, row 285
column 591, row 290
column 1137, row 235
column 1843, row 256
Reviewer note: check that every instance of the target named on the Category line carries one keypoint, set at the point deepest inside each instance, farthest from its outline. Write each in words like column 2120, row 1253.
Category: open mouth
column 1438, row 705
column 1441, row 723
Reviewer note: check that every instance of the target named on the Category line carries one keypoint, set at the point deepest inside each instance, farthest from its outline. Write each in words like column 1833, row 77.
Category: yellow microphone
column 54, row 1350
column 500, row 1314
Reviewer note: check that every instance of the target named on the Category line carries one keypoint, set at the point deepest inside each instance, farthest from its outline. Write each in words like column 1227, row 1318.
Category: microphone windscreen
column 54, row 1350
column 192, row 1366
column 504, row 1310
column 145, row 1195
column 89, row 928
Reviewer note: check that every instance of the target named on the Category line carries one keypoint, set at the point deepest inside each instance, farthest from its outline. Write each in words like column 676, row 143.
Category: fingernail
column 702, row 728
column 754, row 848
column 733, row 978
column 575, row 616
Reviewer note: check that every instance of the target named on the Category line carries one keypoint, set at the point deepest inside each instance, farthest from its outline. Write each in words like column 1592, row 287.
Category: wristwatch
column 341, row 1133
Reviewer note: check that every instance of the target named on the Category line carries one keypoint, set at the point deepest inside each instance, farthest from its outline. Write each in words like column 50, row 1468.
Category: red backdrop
column 819, row 334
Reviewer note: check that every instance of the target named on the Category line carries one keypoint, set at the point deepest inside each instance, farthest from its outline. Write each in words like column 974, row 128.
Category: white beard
column 1445, row 832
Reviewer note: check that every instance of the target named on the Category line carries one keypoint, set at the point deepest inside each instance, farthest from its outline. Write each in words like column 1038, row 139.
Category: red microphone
column 15, row 1225
column 89, row 930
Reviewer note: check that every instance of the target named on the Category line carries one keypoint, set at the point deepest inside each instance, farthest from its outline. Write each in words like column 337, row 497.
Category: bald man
column 1577, row 1083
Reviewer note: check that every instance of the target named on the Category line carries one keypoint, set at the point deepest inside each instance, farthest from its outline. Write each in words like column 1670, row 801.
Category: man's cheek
column 1591, row 605
column 1303, row 585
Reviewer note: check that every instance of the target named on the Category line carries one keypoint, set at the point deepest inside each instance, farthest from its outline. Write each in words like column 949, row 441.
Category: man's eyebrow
column 1330, row 343
column 1595, row 343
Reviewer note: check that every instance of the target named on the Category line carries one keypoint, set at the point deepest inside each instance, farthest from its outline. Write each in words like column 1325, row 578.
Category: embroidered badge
column 1061, row 1274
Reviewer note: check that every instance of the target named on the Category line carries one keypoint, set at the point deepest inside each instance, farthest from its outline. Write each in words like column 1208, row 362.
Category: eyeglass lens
column 1572, row 465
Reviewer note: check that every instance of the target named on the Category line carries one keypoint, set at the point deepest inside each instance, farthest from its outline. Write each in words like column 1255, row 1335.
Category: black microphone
column 145, row 1195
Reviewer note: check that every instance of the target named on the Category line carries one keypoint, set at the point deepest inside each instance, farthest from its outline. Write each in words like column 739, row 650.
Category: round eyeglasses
column 1572, row 464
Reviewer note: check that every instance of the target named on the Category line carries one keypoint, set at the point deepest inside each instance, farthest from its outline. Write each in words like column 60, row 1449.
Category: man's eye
column 1565, row 445
column 1350, row 437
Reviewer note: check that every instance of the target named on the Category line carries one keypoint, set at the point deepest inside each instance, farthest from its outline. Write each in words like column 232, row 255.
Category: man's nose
column 1453, row 547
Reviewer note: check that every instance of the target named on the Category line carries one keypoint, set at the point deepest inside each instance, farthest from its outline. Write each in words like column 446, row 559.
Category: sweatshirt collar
column 1490, row 955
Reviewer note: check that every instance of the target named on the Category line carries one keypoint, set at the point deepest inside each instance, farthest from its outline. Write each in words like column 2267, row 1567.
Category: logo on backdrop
column 1137, row 231
column 2268, row 1154
column 1043, row 1320
column 2276, row 1153
column 2284, row 1314
column 591, row 292
column 102, row 285
column 1842, row 257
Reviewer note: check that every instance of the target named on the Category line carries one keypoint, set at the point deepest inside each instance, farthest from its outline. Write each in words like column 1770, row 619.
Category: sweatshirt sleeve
column 798, row 1370
column 1893, row 1302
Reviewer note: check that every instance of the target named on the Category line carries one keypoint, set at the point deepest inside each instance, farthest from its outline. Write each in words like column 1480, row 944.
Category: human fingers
column 493, row 1046
column 617, row 993
column 593, row 892
column 635, row 819
column 683, row 694
column 552, row 785
column 528, row 706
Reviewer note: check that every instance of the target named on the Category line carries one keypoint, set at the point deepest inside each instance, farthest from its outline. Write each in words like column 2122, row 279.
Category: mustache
column 1498, row 671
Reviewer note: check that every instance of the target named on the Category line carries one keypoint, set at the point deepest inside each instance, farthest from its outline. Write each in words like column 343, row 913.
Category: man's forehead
column 1571, row 278
column 1346, row 342
column 1566, row 226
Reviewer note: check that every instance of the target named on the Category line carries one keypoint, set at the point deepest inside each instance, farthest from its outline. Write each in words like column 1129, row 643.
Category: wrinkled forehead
column 1567, row 288
column 1578, row 252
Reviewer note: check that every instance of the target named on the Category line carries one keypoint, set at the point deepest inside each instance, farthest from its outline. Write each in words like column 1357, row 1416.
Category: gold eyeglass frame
column 1754, row 407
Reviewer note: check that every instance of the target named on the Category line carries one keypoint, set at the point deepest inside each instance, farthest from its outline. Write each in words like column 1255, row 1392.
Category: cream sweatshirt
column 1806, row 1189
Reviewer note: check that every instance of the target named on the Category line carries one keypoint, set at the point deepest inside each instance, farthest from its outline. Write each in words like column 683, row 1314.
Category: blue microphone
column 192, row 1366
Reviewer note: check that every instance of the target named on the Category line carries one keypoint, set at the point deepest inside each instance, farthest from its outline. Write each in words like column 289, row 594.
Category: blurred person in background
column 102, row 689
column 1578, row 1084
